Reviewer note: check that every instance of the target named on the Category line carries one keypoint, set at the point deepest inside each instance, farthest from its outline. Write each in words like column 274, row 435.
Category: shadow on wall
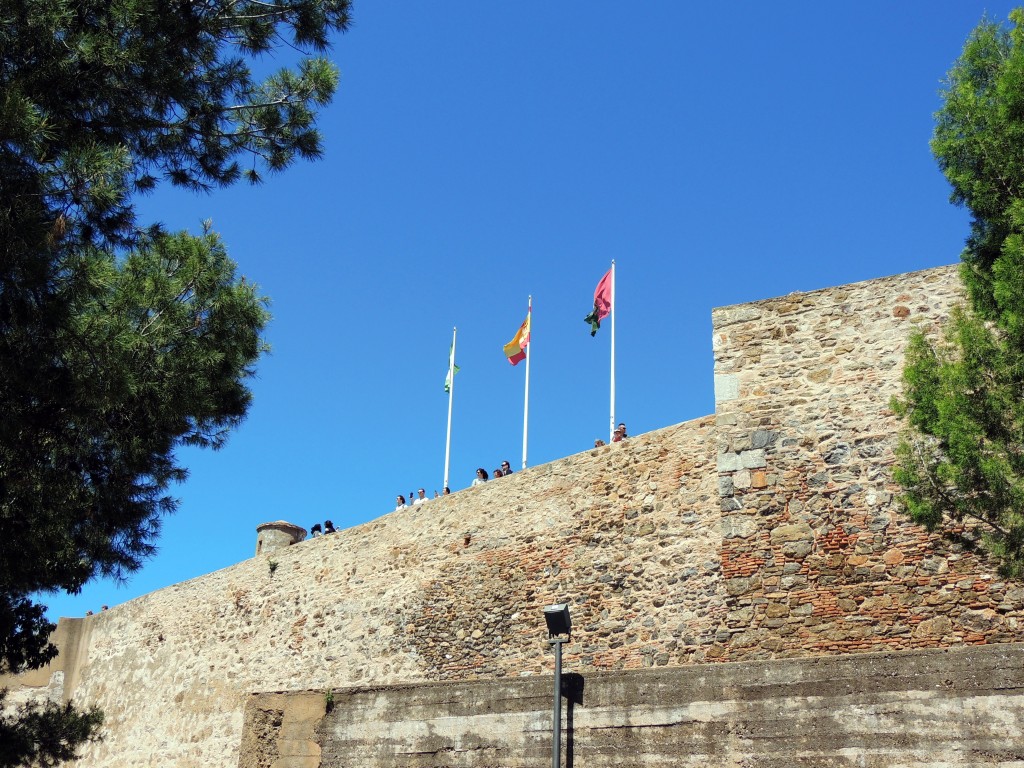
column 572, row 692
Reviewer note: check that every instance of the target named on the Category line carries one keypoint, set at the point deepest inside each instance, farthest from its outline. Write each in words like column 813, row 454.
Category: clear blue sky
column 477, row 153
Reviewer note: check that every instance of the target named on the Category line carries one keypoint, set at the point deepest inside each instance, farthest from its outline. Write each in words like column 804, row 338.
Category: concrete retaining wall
column 959, row 707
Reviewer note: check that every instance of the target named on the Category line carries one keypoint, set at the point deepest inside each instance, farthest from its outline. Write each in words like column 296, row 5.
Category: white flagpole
column 611, row 428
column 526, row 396
column 451, row 392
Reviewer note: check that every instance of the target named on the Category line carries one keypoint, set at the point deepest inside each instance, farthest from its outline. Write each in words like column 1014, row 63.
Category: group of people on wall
column 401, row 502
column 482, row 476
column 618, row 435
column 419, row 497
column 322, row 530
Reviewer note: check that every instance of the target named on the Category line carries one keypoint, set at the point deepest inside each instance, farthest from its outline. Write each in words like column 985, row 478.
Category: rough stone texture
column 767, row 531
column 816, row 556
column 280, row 730
column 451, row 589
column 958, row 707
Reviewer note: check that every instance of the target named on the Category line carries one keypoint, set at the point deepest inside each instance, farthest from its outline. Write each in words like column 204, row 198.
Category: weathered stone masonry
column 815, row 555
column 768, row 530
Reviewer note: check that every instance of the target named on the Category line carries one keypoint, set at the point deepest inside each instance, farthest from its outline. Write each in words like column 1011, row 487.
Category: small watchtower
column 277, row 535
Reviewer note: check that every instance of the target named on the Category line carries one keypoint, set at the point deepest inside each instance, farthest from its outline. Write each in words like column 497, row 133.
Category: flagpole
column 451, row 392
column 526, row 396
column 611, row 427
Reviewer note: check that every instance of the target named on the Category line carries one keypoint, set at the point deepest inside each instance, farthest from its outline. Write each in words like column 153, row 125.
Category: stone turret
column 277, row 535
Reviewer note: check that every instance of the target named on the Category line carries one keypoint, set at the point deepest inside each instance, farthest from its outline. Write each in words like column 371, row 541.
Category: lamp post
column 559, row 624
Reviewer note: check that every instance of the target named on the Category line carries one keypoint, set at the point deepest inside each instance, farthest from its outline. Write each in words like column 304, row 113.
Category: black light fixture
column 559, row 631
column 557, row 618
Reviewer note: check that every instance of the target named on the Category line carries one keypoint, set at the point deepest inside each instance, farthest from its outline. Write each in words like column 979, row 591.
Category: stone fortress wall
column 815, row 555
column 766, row 531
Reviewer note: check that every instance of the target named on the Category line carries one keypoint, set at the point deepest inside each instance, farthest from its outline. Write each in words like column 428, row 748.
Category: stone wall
column 766, row 531
column 451, row 589
column 959, row 707
column 816, row 556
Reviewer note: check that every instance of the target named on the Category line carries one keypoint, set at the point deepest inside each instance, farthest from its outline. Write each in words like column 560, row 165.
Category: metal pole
column 556, row 741
column 526, row 394
column 451, row 394
column 614, row 309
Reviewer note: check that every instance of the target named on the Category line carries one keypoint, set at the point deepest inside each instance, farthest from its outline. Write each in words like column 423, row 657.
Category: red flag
column 602, row 303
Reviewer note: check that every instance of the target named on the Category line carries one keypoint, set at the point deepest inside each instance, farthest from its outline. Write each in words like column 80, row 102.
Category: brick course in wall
column 768, row 530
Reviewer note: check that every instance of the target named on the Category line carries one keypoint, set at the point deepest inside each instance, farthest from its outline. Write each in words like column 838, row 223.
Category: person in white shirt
column 421, row 499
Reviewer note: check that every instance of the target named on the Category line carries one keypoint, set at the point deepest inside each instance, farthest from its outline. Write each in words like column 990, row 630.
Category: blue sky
column 478, row 153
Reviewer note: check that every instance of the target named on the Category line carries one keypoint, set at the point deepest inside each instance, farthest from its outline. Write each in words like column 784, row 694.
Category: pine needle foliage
column 44, row 734
column 961, row 463
column 120, row 342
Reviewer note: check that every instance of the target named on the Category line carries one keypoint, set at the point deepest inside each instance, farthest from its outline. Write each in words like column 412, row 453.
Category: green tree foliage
column 44, row 734
column 962, row 463
column 118, row 342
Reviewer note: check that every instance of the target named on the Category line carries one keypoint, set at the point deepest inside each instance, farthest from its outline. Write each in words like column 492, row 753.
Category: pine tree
column 119, row 342
column 961, row 464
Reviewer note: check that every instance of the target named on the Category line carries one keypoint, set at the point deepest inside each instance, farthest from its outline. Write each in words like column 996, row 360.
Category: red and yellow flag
column 515, row 350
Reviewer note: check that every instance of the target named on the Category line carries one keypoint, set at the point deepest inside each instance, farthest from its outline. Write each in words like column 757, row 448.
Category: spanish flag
column 515, row 350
